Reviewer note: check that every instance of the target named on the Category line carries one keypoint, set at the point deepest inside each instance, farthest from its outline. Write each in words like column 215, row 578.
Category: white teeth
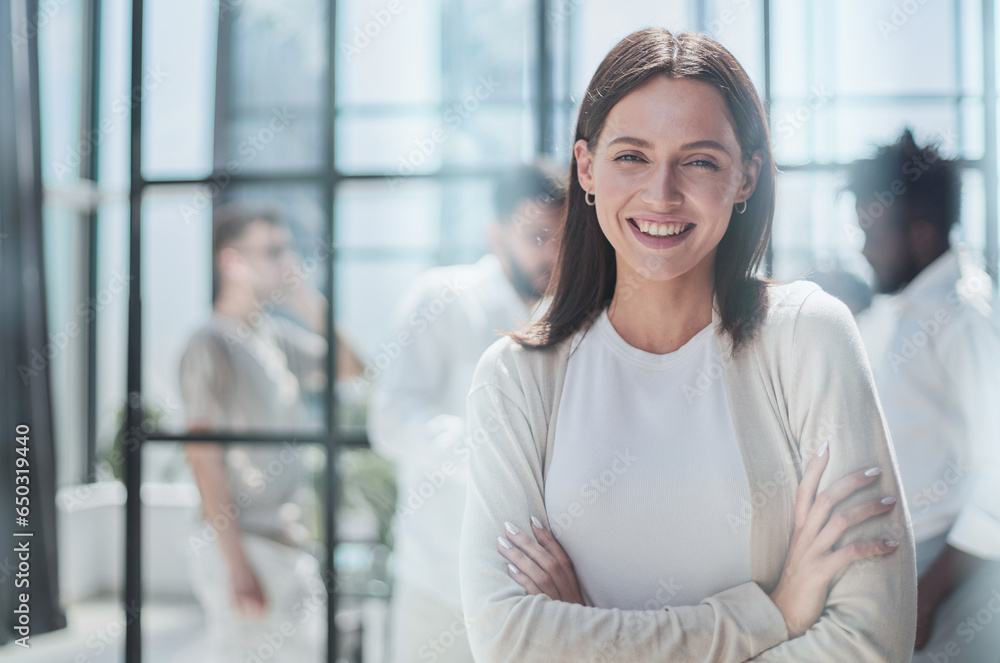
column 660, row 229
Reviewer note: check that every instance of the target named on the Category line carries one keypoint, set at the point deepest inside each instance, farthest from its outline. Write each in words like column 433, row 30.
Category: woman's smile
column 663, row 233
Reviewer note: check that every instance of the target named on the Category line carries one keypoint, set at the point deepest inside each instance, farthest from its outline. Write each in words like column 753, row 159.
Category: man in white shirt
column 937, row 370
column 417, row 413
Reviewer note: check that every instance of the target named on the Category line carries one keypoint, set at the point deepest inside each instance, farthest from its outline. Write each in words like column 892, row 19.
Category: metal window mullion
column 543, row 144
column 89, row 169
column 990, row 133
column 766, row 5
column 333, row 439
column 959, row 83
column 133, row 418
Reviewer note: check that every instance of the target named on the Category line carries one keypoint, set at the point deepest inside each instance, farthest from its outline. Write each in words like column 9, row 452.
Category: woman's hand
column 541, row 567
column 810, row 565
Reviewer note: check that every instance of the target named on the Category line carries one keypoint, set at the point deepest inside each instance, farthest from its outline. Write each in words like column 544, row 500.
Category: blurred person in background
column 417, row 413
column 937, row 372
column 249, row 369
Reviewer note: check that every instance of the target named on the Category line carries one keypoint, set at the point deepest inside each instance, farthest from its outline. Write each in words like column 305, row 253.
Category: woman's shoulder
column 507, row 363
column 803, row 303
column 802, row 317
column 528, row 376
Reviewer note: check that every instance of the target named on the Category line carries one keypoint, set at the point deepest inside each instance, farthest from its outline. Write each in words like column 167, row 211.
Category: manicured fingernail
column 510, row 528
column 513, row 569
column 536, row 522
column 822, row 450
column 888, row 500
column 504, row 542
column 891, row 543
column 875, row 471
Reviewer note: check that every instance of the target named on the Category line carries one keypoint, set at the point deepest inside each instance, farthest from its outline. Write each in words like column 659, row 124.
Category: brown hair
column 583, row 279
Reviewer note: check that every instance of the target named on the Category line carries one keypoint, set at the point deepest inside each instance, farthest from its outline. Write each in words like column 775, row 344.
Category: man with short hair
column 938, row 379
column 248, row 371
column 417, row 413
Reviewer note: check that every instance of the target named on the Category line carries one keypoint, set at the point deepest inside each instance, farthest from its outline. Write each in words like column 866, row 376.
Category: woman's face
column 665, row 174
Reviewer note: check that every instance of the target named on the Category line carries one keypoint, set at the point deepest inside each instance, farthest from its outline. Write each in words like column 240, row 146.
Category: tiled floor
column 173, row 632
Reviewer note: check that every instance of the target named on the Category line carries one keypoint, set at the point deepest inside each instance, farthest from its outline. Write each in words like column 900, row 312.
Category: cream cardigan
column 803, row 380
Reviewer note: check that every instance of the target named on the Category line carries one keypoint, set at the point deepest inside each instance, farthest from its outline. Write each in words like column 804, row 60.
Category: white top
column 647, row 432
column 801, row 381
column 416, row 417
column 937, row 371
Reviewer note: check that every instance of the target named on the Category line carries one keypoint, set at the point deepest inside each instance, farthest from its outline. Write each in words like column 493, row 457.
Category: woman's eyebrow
column 705, row 144
column 638, row 142
column 646, row 145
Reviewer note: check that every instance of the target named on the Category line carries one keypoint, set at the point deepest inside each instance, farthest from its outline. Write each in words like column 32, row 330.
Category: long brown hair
column 584, row 276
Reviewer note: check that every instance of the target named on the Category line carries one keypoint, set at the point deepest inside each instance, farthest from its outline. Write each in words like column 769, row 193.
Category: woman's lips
column 661, row 241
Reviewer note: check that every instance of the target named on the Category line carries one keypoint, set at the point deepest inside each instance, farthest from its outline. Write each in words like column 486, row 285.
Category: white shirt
column 938, row 377
column 648, row 433
column 417, row 413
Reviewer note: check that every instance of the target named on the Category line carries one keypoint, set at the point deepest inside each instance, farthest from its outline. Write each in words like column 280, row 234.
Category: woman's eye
column 628, row 158
column 704, row 163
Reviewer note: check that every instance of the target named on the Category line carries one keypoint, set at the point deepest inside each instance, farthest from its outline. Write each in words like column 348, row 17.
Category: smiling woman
column 671, row 198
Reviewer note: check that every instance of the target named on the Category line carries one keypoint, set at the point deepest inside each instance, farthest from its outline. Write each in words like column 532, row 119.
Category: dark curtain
column 24, row 390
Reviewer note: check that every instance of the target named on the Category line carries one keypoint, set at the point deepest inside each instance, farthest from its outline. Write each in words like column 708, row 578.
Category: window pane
column 176, row 291
column 441, row 219
column 972, row 138
column 971, row 45
column 815, row 225
column 367, row 294
column 821, row 129
column 178, row 85
column 258, row 362
column 401, row 145
column 111, row 312
column 60, row 51
column 65, row 352
column 475, row 101
column 793, row 55
column 114, row 121
column 467, row 207
column 857, row 128
column 972, row 226
column 795, row 126
column 493, row 43
column 273, row 96
column 388, row 53
column 389, row 213
column 882, row 48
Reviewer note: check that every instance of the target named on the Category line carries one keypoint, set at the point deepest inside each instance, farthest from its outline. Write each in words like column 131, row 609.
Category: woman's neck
column 661, row 316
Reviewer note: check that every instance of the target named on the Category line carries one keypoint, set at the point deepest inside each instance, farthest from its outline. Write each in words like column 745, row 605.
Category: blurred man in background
column 938, row 379
column 250, row 371
column 417, row 414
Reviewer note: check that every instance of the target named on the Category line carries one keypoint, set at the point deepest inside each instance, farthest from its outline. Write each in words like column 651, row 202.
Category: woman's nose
column 663, row 187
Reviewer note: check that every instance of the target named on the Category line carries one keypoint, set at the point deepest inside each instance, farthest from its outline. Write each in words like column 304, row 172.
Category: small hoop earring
column 590, row 198
column 737, row 207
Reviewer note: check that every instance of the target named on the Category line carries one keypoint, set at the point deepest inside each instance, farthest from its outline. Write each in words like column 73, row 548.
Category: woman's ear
column 751, row 173
column 584, row 165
